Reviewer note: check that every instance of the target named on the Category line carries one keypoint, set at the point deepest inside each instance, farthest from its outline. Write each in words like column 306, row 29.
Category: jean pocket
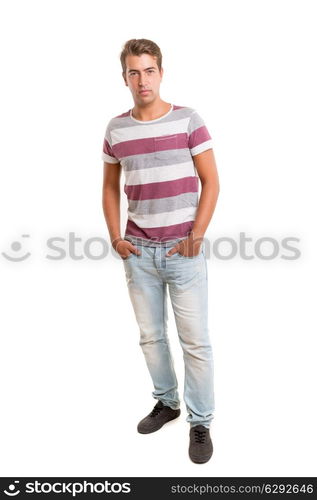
column 128, row 257
column 193, row 256
column 165, row 147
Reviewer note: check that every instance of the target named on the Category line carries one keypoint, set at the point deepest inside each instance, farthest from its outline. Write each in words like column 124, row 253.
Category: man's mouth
column 143, row 92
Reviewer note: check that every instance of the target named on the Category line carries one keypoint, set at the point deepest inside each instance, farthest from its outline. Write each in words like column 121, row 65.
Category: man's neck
column 150, row 111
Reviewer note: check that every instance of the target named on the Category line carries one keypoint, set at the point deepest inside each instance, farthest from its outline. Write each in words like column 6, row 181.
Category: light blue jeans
column 147, row 277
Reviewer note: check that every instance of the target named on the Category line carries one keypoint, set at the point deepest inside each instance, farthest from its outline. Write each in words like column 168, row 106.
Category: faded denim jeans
column 148, row 276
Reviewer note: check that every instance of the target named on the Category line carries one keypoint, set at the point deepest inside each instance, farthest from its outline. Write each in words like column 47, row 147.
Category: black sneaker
column 200, row 446
column 157, row 418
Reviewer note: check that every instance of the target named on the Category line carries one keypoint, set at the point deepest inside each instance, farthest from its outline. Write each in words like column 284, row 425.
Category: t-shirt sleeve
column 107, row 152
column 199, row 139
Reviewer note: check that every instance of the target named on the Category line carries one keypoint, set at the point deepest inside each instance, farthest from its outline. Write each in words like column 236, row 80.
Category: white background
column 74, row 383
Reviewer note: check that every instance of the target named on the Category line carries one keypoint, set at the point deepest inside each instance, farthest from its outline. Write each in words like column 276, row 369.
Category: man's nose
column 142, row 80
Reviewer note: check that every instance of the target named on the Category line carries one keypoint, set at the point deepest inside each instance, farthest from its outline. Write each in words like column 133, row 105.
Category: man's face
column 142, row 73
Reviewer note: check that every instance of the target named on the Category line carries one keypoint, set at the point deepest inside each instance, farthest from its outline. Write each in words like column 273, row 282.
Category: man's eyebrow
column 151, row 67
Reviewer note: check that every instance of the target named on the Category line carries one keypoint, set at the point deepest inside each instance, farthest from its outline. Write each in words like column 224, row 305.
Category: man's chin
column 144, row 99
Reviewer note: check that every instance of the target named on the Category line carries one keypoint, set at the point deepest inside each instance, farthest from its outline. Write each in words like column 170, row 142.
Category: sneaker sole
column 200, row 460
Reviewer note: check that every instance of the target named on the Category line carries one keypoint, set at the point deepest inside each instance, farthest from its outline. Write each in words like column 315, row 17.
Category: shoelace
column 156, row 410
column 200, row 436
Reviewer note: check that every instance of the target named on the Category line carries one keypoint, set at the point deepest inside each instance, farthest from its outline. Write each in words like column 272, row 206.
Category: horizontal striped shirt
column 161, row 181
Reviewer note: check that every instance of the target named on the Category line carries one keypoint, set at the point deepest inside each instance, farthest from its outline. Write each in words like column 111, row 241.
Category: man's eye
column 149, row 71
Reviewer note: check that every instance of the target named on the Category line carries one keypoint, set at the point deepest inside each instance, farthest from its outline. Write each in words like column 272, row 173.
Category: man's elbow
column 211, row 184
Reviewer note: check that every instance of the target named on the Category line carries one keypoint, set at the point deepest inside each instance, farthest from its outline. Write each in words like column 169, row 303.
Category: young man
column 162, row 147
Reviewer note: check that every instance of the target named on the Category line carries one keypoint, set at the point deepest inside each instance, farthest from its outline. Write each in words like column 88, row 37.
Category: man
column 162, row 147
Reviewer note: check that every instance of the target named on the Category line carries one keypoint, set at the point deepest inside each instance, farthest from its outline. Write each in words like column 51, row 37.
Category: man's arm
column 111, row 209
column 207, row 170
column 111, row 199
column 205, row 165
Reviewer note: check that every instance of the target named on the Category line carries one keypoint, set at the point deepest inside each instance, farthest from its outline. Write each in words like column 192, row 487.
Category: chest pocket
column 165, row 147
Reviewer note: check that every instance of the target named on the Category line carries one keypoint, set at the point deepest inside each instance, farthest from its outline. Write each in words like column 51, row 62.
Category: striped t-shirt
column 161, row 181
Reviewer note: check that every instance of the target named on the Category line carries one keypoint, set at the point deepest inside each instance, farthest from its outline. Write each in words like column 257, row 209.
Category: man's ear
column 162, row 71
column 124, row 78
